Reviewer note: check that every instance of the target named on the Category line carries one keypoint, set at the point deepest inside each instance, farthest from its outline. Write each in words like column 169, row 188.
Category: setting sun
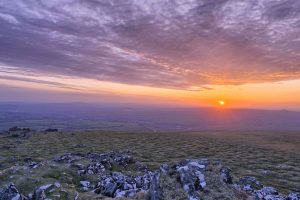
column 221, row 103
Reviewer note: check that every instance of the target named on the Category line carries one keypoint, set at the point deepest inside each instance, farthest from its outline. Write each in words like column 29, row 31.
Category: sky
column 185, row 52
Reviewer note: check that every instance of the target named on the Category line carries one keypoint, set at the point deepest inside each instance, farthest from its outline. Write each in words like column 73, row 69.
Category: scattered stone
column 144, row 181
column 188, row 174
column 164, row 168
column 98, row 162
column 249, row 184
column 127, row 193
column 225, row 175
column 46, row 187
column 31, row 163
column 257, row 191
column 123, row 158
column 141, row 167
column 119, row 185
column 56, row 184
column 69, row 157
column 192, row 179
column 274, row 197
column 265, row 191
column 39, row 195
column 10, row 193
column 85, row 185
column 293, row 196
column 94, row 168
column 76, row 196
column 268, row 193
column 107, row 186
column 155, row 191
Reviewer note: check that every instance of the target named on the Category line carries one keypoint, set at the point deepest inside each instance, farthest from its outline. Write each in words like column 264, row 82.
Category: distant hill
column 128, row 117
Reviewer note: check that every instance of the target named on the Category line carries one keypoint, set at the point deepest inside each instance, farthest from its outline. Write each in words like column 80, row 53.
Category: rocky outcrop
column 191, row 174
column 258, row 191
column 19, row 132
column 119, row 185
column 106, row 160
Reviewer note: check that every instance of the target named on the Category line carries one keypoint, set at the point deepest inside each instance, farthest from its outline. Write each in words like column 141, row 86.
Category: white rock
column 17, row 197
column 85, row 184
column 45, row 187
column 58, row 185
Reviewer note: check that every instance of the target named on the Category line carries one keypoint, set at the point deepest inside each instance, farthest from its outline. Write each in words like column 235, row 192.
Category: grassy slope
column 247, row 153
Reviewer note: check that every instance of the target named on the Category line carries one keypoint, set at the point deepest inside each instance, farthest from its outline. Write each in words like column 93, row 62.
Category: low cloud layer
column 183, row 44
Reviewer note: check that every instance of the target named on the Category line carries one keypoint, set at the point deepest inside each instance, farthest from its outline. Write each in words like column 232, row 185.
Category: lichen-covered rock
column 127, row 193
column 119, row 185
column 293, row 196
column 106, row 186
column 123, row 159
column 39, row 195
column 274, row 197
column 266, row 191
column 76, row 196
column 225, row 175
column 10, row 193
column 69, row 157
column 155, row 192
column 86, row 185
column 191, row 174
column 256, row 190
column 47, row 187
column 120, row 158
column 94, row 168
column 41, row 192
column 164, row 168
column 249, row 184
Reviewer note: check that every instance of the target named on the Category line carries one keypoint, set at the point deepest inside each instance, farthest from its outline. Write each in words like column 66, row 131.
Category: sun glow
column 221, row 103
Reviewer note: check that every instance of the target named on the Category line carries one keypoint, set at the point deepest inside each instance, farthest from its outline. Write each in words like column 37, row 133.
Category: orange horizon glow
column 258, row 95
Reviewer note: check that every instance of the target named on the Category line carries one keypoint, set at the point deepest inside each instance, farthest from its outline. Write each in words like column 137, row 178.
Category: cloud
column 172, row 44
column 48, row 83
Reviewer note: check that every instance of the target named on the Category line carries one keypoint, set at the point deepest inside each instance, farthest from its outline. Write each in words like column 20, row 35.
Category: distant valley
column 145, row 118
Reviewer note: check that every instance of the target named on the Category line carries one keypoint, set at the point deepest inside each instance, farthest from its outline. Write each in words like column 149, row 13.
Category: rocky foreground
column 118, row 175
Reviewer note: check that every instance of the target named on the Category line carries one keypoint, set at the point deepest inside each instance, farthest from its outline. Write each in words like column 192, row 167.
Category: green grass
column 246, row 153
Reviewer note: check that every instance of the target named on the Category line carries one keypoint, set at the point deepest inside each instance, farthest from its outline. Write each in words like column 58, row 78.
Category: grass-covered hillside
column 272, row 157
